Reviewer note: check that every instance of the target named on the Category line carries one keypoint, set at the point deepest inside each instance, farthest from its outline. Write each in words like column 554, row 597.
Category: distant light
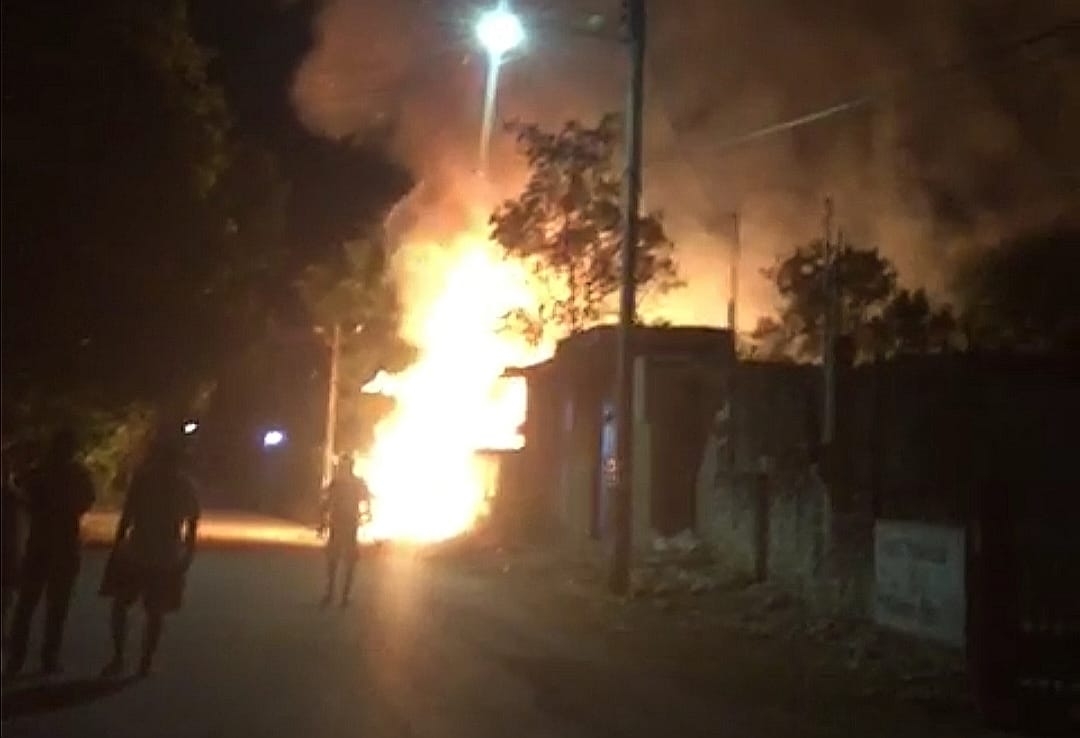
column 499, row 30
column 273, row 438
column 190, row 427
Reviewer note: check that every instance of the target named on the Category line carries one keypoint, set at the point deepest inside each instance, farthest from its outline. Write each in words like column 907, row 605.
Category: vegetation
column 567, row 225
column 1023, row 293
column 883, row 319
column 1017, row 296
column 354, row 292
column 153, row 226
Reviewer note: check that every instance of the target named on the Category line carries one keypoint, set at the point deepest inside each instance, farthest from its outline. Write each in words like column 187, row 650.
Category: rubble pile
column 677, row 565
column 684, row 587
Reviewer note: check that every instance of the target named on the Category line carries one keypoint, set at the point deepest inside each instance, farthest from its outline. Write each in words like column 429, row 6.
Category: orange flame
column 428, row 481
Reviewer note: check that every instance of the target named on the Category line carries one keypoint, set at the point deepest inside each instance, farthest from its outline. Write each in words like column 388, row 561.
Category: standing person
column 58, row 493
column 341, row 520
column 154, row 548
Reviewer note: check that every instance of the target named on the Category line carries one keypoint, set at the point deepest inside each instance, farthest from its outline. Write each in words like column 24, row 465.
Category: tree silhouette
column 567, row 226
column 883, row 319
column 1022, row 294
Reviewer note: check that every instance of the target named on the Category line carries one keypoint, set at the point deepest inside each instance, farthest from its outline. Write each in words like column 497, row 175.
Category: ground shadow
column 51, row 696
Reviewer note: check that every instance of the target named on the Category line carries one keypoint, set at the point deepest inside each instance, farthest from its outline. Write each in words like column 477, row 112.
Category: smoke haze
column 939, row 164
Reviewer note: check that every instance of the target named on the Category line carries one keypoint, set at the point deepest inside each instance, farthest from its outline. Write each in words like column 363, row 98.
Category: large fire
column 428, row 480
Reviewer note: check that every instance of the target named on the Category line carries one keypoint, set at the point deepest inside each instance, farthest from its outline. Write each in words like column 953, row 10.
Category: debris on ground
column 886, row 663
column 681, row 589
column 674, row 579
column 681, row 543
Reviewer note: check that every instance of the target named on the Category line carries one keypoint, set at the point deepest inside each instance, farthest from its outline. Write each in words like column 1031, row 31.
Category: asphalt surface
column 218, row 528
column 427, row 648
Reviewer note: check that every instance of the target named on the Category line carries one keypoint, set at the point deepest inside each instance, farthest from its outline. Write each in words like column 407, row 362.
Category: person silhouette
column 153, row 550
column 341, row 513
column 58, row 492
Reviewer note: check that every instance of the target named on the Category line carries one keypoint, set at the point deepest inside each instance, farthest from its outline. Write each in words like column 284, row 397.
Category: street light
column 499, row 31
column 273, row 438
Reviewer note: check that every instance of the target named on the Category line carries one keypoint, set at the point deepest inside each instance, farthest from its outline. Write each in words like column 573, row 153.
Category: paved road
column 429, row 649
column 217, row 528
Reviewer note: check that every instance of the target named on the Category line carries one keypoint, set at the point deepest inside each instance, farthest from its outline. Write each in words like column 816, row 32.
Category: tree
column 770, row 340
column 154, row 225
column 114, row 142
column 111, row 439
column 882, row 319
column 567, row 226
column 1022, row 294
column 143, row 236
column 909, row 324
column 354, row 291
column 865, row 281
column 249, row 209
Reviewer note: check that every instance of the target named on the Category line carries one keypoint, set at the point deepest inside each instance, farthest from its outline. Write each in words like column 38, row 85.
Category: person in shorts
column 154, row 548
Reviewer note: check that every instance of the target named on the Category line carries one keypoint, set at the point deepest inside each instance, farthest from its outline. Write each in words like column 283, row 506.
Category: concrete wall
column 781, row 527
column 764, row 506
column 579, row 467
column 563, row 429
column 727, row 510
column 675, row 397
column 919, row 579
column 917, row 439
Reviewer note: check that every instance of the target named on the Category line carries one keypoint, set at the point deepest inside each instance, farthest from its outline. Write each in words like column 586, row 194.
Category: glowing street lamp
column 273, row 438
column 190, row 427
column 499, row 31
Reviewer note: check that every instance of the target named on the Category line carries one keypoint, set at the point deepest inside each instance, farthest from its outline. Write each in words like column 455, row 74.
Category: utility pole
column 733, row 276
column 829, row 329
column 733, row 322
column 331, row 405
column 624, row 381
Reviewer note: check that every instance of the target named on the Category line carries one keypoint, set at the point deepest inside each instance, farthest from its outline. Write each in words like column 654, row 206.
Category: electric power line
column 855, row 103
column 896, row 88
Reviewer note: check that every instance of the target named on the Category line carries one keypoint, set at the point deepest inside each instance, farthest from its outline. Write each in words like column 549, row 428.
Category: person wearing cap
column 57, row 493
column 153, row 550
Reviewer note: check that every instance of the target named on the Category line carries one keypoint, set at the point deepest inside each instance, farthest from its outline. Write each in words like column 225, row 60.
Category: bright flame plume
column 423, row 468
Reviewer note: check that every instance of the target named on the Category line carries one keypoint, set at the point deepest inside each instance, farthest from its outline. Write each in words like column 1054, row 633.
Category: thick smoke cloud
column 937, row 164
